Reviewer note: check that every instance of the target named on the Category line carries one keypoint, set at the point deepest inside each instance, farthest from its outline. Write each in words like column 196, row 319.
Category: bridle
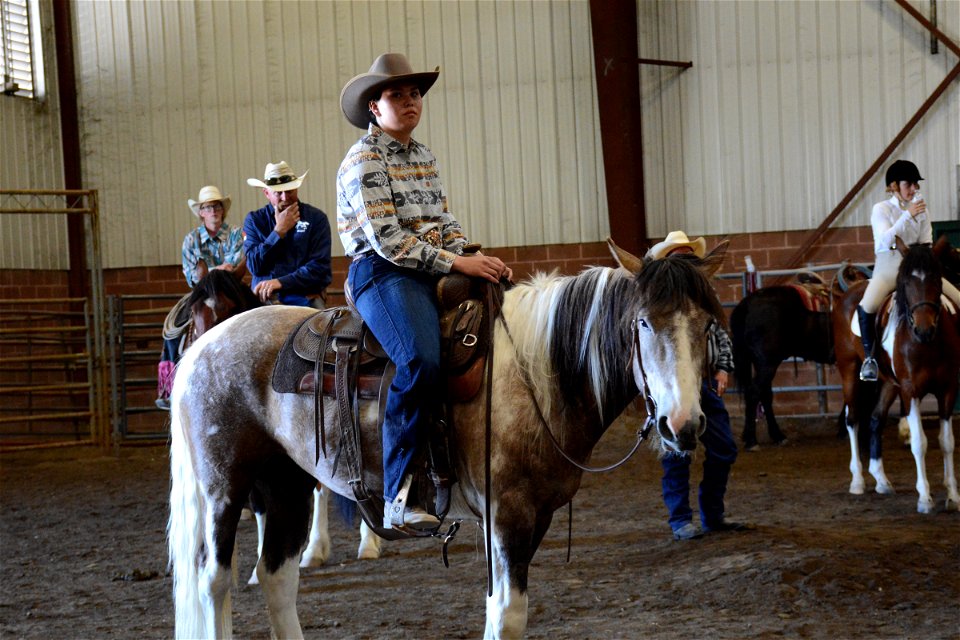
column 649, row 402
column 937, row 307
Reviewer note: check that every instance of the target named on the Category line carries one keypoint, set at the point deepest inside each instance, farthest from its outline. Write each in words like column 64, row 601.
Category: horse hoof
column 885, row 489
column 925, row 506
column 254, row 580
column 856, row 488
column 314, row 557
column 246, row 514
column 368, row 553
column 781, row 443
column 751, row 446
column 952, row 505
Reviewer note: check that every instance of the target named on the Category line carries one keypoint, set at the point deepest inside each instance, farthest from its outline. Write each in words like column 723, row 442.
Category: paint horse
column 573, row 349
column 920, row 355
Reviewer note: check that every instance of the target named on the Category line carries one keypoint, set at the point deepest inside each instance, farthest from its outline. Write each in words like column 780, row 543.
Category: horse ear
column 941, row 246
column 624, row 258
column 715, row 259
column 901, row 246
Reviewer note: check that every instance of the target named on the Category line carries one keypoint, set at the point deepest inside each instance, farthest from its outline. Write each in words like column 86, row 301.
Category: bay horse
column 768, row 326
column 220, row 295
column 569, row 354
column 919, row 355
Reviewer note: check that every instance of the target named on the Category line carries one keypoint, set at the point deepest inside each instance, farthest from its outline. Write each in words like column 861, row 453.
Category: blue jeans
column 721, row 452
column 399, row 306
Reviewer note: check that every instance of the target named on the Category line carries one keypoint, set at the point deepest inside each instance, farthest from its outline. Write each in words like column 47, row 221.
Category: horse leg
column 513, row 548
column 918, row 447
column 256, row 505
column 750, row 418
column 946, row 447
column 318, row 548
column 286, row 491
column 216, row 575
column 878, row 418
column 370, row 543
column 856, row 467
column 765, row 388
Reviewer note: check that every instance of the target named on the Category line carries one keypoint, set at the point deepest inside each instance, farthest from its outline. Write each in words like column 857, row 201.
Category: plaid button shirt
column 390, row 200
column 226, row 246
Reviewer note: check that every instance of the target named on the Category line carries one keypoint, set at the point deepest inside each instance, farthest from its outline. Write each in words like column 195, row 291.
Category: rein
column 650, row 404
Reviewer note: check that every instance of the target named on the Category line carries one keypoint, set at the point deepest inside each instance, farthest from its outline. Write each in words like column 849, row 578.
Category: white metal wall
column 786, row 106
column 31, row 158
column 175, row 95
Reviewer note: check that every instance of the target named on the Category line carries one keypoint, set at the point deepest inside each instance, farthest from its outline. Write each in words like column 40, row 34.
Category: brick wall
column 768, row 251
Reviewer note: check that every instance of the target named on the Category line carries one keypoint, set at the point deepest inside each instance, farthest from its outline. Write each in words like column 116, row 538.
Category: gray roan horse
column 579, row 348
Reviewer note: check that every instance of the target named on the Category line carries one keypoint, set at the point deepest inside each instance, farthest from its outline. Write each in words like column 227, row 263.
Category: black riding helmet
column 903, row 170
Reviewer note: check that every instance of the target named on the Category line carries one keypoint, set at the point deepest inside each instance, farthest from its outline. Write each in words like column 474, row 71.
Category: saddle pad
column 886, row 309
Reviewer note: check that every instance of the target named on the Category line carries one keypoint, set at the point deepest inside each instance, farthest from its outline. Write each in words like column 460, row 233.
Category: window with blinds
column 19, row 35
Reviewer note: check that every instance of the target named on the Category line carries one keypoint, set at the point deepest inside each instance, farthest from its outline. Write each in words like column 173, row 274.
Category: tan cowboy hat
column 387, row 69
column 675, row 240
column 209, row 193
column 278, row 177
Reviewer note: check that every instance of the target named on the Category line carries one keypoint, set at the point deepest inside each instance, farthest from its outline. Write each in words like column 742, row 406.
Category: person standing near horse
column 393, row 220
column 287, row 242
column 903, row 215
column 214, row 244
column 717, row 438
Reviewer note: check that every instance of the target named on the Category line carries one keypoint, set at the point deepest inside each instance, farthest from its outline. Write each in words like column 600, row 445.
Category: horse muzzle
column 685, row 439
column 922, row 319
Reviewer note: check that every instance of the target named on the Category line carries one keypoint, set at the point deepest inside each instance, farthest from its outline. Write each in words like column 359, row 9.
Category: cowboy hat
column 209, row 193
column 675, row 240
column 278, row 177
column 389, row 68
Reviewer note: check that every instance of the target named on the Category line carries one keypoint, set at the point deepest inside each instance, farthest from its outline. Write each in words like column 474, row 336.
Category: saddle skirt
column 814, row 294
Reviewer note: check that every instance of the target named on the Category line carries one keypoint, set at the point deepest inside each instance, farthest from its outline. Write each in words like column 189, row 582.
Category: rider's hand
column 721, row 378
column 287, row 218
column 917, row 208
column 265, row 289
column 481, row 266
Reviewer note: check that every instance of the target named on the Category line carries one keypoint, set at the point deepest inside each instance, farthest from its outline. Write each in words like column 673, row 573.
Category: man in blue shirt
column 287, row 242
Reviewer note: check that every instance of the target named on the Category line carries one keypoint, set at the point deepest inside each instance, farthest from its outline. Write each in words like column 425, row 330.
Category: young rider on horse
column 904, row 214
column 717, row 439
column 394, row 223
column 214, row 244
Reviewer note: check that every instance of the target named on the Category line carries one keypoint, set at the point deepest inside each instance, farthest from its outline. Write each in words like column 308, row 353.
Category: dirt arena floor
column 84, row 556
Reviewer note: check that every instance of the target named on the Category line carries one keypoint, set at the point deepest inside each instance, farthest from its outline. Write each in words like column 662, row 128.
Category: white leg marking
column 507, row 607
column 318, row 547
column 949, row 475
column 215, row 581
column 883, row 484
column 370, row 543
column 918, row 447
column 261, row 523
column 856, row 468
column 280, row 592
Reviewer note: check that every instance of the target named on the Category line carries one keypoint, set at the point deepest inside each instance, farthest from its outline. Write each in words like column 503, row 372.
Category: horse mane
column 219, row 282
column 574, row 332
column 918, row 259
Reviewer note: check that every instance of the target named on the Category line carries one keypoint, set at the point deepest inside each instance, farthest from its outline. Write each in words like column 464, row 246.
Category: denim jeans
column 399, row 306
column 721, row 452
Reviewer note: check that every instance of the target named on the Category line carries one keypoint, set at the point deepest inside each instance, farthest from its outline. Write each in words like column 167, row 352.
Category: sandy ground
column 84, row 556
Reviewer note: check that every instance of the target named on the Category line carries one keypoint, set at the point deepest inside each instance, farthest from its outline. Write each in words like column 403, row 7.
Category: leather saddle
column 814, row 293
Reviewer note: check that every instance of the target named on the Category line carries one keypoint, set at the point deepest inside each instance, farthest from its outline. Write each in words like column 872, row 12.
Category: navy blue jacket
column 300, row 261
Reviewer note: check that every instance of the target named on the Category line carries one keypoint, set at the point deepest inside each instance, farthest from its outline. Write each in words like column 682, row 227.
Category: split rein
column 649, row 403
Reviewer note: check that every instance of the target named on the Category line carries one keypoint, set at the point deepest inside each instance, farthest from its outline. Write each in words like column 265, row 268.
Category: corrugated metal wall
column 31, row 158
column 175, row 95
column 786, row 106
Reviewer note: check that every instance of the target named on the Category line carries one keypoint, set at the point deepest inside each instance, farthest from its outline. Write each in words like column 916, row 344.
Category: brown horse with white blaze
column 920, row 355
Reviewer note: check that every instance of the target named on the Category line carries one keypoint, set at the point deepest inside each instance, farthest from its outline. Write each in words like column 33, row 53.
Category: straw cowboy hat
column 387, row 69
column 278, row 177
column 675, row 240
column 209, row 194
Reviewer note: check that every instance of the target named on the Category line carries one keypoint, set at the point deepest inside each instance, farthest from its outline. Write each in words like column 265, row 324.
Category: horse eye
column 644, row 324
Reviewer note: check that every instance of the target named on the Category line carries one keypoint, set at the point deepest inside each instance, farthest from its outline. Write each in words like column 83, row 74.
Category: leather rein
column 649, row 403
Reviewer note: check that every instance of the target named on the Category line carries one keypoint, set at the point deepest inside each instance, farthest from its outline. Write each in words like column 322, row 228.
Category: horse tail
column 742, row 362
column 185, row 531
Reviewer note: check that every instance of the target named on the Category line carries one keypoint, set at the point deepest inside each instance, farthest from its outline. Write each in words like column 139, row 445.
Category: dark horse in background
column 767, row 327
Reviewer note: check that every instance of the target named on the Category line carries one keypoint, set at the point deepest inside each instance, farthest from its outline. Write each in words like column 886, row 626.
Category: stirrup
column 869, row 371
column 400, row 515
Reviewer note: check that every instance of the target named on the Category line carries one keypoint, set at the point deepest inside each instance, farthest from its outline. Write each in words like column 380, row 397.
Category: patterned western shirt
column 390, row 200
column 226, row 246
column 719, row 350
